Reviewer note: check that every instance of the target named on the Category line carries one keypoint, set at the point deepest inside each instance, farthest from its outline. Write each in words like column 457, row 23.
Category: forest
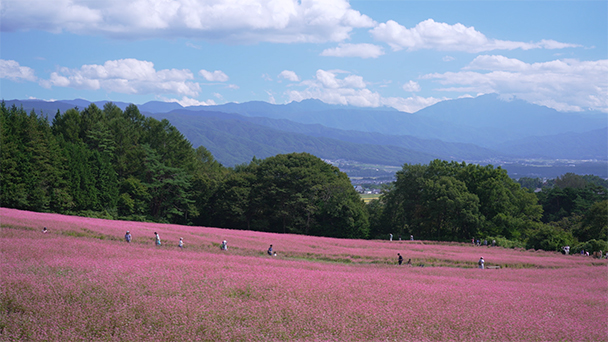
column 115, row 164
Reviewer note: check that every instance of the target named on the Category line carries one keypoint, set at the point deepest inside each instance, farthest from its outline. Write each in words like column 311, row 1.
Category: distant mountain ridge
column 469, row 129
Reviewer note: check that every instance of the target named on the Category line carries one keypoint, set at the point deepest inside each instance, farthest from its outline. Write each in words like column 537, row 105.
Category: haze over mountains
column 470, row 129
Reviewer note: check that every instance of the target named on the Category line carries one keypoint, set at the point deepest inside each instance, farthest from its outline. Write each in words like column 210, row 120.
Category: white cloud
column 239, row 21
column 412, row 86
column 354, row 50
column 11, row 70
column 127, row 76
column 328, row 80
column 271, row 98
column 187, row 102
column 411, row 104
column 289, row 75
column 351, row 90
column 429, row 34
column 216, row 76
column 448, row 58
column 565, row 85
column 194, row 46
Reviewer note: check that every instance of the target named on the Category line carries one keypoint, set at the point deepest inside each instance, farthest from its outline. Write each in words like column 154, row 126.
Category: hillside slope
column 234, row 142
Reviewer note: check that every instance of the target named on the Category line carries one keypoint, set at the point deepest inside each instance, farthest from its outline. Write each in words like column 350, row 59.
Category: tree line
column 452, row 201
column 120, row 164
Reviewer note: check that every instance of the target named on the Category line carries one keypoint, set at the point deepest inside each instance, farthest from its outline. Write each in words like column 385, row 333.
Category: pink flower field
column 82, row 282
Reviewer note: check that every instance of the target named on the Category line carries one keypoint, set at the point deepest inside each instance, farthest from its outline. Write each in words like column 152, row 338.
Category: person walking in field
column 156, row 239
column 128, row 237
column 181, row 243
column 481, row 263
column 270, row 250
column 400, row 258
column 390, row 237
column 224, row 246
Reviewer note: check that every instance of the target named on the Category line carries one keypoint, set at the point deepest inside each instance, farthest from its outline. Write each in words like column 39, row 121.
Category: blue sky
column 368, row 53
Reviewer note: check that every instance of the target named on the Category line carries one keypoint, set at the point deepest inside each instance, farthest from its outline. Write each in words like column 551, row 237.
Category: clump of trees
column 575, row 213
column 455, row 202
column 452, row 201
column 290, row 193
column 120, row 164
column 107, row 163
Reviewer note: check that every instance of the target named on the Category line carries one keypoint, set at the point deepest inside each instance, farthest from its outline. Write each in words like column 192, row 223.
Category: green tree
column 456, row 201
column 594, row 224
column 169, row 190
column 31, row 174
column 570, row 180
column 548, row 238
column 452, row 211
column 530, row 183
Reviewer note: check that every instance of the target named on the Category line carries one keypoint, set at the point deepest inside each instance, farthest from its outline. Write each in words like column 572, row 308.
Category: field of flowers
column 81, row 281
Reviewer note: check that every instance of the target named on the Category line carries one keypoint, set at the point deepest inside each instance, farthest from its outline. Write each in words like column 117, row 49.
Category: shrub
column 504, row 242
column 549, row 238
column 590, row 246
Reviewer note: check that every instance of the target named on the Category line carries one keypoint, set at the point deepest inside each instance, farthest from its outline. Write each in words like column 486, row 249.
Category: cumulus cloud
column 289, row 75
column 411, row 104
column 187, row 102
column 239, row 21
column 11, row 70
column 432, row 35
column 565, row 85
column 127, row 76
column 354, row 50
column 216, row 76
column 330, row 87
column 412, row 86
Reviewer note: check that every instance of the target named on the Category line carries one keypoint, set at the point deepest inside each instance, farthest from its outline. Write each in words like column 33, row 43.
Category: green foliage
column 31, row 164
column 570, row 180
column 530, row 183
column 291, row 193
column 594, row 224
column 561, row 202
column 590, row 246
column 506, row 243
column 548, row 238
column 114, row 164
column 595, row 180
column 452, row 201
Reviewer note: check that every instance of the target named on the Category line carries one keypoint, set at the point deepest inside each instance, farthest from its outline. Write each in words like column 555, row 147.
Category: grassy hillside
column 81, row 281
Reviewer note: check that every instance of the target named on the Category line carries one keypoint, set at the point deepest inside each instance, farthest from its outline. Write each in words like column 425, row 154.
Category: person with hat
column 480, row 263
column 128, row 237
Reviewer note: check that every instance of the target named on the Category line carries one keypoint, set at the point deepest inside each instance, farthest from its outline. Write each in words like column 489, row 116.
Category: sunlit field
column 369, row 197
column 82, row 281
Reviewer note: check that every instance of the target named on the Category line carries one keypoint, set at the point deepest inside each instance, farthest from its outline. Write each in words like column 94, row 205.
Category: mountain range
column 481, row 129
